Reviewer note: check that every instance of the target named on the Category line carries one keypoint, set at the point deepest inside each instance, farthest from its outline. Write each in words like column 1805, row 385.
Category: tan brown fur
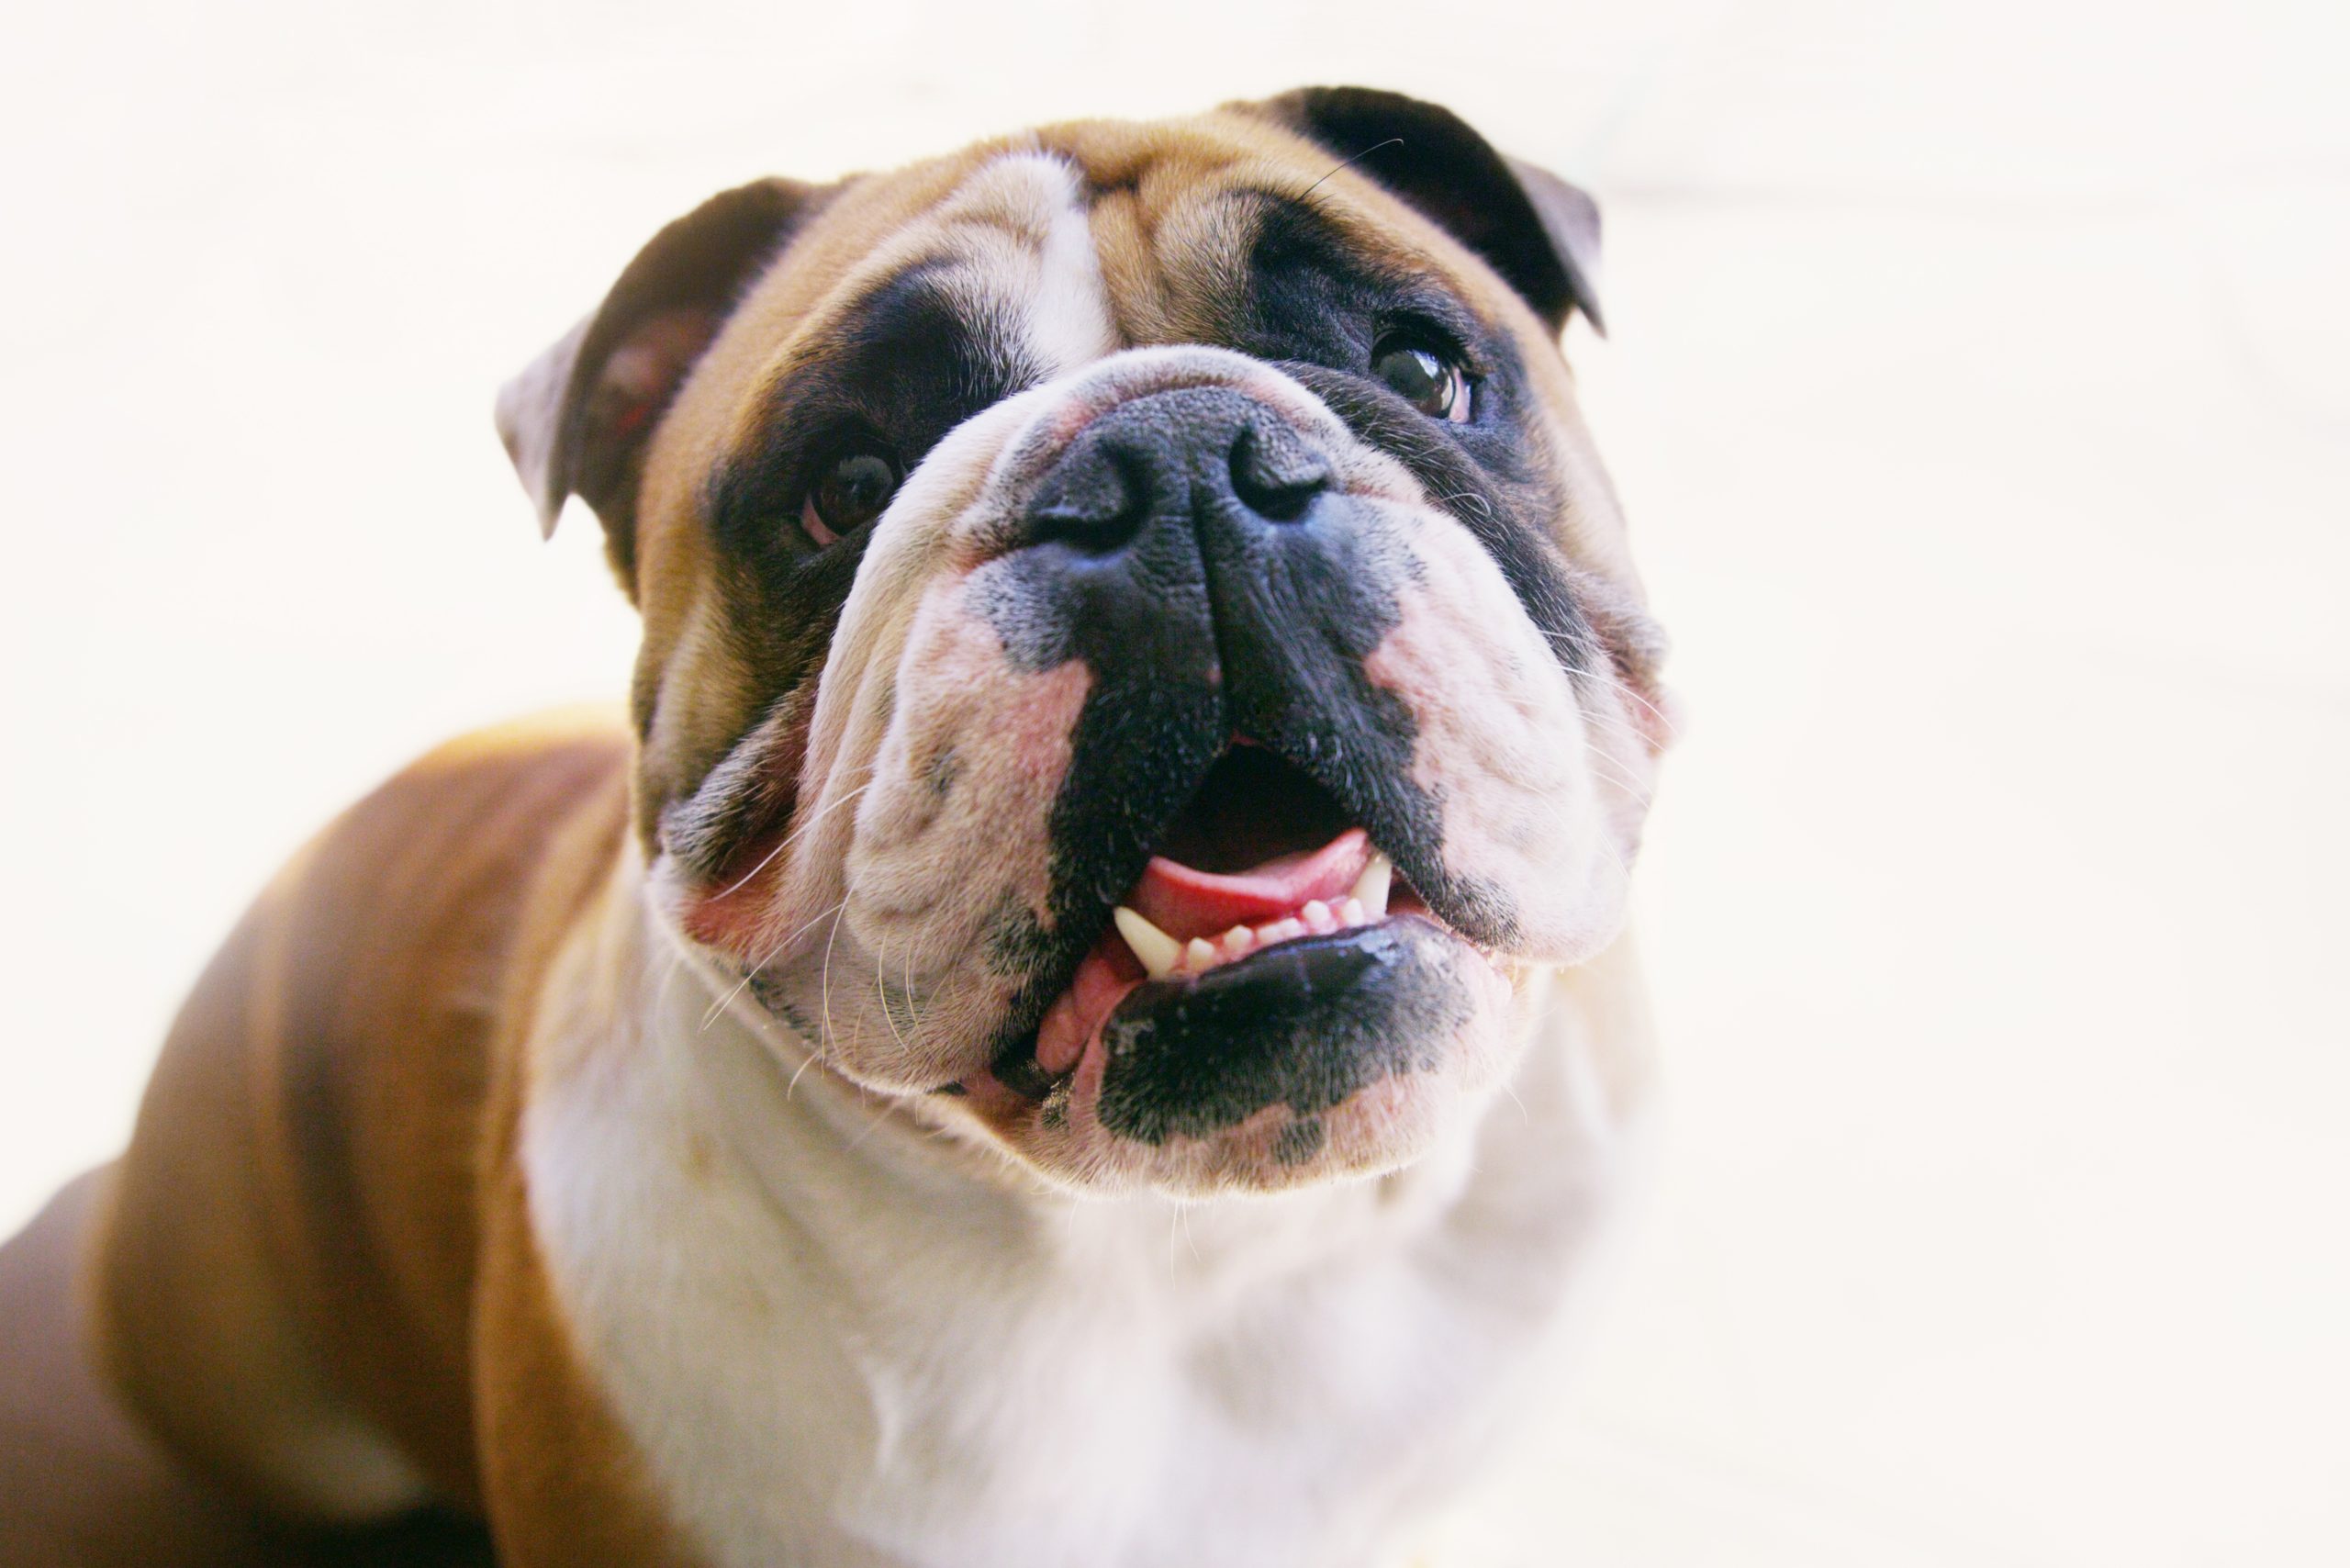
column 299, row 1221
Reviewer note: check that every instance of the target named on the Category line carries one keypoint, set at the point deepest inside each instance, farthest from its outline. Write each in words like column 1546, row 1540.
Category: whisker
column 819, row 814
column 1484, row 503
column 772, row 955
column 881, row 990
column 1612, row 770
column 824, row 981
column 1374, row 146
column 913, row 1012
column 1592, row 672
column 888, row 1109
column 805, row 1063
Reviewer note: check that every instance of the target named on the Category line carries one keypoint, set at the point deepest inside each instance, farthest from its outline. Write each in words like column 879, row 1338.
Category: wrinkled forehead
column 1161, row 225
column 1173, row 209
column 958, row 282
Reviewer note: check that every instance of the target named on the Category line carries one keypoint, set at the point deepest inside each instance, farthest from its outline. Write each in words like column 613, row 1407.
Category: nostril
column 1094, row 500
column 1274, row 472
column 1178, row 457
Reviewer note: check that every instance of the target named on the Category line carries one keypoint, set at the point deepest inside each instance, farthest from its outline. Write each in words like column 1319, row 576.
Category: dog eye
column 851, row 488
column 1424, row 377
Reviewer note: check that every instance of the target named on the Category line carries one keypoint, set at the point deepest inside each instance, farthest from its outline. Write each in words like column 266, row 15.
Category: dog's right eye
column 851, row 488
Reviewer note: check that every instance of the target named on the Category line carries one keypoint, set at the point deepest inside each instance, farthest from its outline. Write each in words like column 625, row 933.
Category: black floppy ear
column 1540, row 232
column 577, row 420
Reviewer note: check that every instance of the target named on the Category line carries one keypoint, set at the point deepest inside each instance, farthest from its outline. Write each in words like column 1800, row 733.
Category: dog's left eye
column 1425, row 377
column 851, row 488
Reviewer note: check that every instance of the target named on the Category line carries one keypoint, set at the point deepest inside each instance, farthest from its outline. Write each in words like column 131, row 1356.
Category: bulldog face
column 1139, row 658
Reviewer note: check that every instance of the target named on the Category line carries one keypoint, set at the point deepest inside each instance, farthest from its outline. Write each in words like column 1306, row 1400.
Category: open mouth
column 1261, row 858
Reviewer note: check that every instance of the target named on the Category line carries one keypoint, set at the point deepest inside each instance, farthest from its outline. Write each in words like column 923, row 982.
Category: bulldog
column 1080, row 1019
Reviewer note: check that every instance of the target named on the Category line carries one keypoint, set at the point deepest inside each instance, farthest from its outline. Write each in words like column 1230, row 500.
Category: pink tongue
column 1184, row 903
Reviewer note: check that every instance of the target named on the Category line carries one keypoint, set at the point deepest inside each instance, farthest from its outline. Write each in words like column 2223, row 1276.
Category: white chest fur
column 841, row 1340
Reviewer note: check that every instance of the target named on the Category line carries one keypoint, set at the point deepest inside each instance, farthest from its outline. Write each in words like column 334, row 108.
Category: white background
column 1979, row 392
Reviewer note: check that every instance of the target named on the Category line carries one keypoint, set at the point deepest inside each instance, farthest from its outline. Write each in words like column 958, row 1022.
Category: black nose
column 1202, row 560
column 1178, row 458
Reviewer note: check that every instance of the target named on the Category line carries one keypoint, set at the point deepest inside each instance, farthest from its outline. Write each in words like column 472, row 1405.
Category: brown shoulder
column 291, row 1239
column 401, row 945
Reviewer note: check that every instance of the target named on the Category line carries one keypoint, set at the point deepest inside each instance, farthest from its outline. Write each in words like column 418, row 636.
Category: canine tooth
column 1157, row 951
column 1239, row 940
column 1350, row 913
column 1372, row 885
column 1200, row 953
column 1318, row 918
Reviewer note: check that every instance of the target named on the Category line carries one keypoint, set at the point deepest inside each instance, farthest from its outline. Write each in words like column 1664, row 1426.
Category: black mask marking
column 1316, row 311
column 1184, row 549
column 1304, row 1024
column 906, row 363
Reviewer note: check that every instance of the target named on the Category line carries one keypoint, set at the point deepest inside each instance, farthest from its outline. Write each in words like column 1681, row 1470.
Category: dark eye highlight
column 850, row 488
column 1425, row 376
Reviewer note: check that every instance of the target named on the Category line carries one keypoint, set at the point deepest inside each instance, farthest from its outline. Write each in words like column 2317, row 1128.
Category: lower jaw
column 1423, row 1054
column 1382, row 1127
column 1070, row 1035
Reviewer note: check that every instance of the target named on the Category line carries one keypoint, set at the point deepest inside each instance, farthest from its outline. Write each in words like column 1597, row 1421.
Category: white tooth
column 1286, row 930
column 1239, row 940
column 1199, row 954
column 1372, row 885
column 1350, row 913
column 1157, row 951
column 1318, row 917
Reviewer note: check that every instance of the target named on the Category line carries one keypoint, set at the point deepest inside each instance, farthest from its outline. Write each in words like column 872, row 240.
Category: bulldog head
column 1140, row 660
